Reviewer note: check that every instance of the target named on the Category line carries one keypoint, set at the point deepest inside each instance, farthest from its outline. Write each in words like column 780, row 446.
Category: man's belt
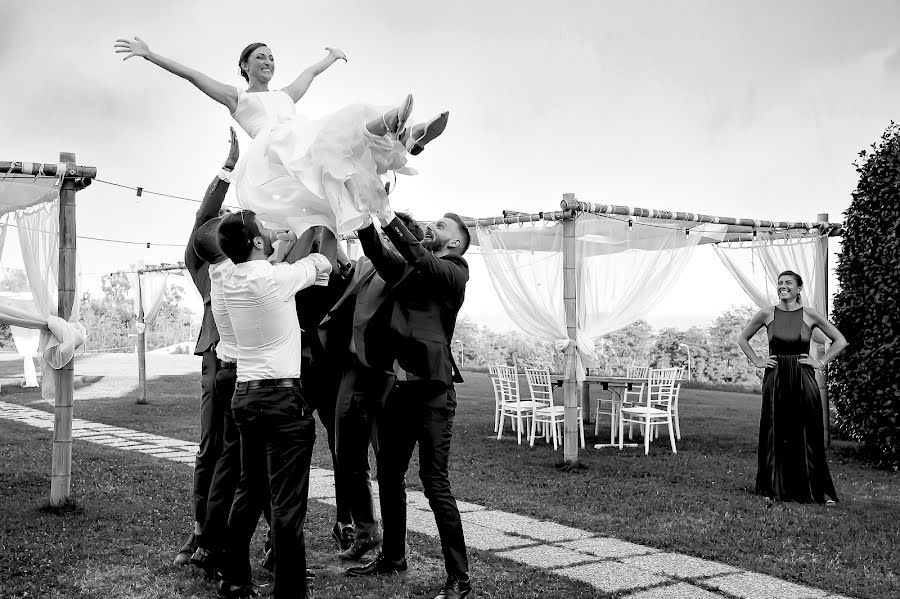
column 223, row 365
column 268, row 383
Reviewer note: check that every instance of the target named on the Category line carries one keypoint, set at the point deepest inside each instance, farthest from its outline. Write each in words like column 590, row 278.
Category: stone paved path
column 608, row 564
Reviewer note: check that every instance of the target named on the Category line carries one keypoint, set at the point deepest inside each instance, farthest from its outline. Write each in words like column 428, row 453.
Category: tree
column 727, row 362
column 865, row 379
column 173, row 323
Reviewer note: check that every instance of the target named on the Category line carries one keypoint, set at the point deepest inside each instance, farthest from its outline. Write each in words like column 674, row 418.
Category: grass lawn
column 698, row 502
column 131, row 513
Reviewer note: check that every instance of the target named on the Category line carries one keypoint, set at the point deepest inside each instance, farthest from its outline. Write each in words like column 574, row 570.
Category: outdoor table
column 616, row 385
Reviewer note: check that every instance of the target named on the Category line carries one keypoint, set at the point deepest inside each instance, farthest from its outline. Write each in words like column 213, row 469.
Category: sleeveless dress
column 299, row 173
column 792, row 462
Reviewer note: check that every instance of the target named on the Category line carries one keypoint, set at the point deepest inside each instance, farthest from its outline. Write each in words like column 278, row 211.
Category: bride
column 299, row 173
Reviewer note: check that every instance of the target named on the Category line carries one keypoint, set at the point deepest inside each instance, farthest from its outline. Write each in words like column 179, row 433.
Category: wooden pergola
column 74, row 178
column 738, row 229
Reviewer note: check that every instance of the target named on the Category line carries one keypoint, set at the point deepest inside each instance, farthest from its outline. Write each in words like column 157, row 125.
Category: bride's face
column 260, row 65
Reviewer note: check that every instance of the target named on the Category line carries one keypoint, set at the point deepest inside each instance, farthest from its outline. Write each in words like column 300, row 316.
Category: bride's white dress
column 299, row 173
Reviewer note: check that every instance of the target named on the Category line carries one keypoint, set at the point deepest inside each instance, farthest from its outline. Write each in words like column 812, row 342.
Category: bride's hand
column 336, row 53
column 137, row 47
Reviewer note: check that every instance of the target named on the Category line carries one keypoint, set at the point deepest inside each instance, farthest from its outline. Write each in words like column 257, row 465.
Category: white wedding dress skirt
column 299, row 173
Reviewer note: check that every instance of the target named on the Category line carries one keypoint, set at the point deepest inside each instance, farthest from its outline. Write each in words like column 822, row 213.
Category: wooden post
column 61, row 462
column 821, row 378
column 571, row 388
column 141, row 346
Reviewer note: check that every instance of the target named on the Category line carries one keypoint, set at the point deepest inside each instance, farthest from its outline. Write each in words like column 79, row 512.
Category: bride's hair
column 245, row 55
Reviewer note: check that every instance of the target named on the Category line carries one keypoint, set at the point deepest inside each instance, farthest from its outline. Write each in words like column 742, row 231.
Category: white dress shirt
column 259, row 297
column 226, row 348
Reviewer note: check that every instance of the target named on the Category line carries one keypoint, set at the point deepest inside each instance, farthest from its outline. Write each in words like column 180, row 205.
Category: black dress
column 792, row 461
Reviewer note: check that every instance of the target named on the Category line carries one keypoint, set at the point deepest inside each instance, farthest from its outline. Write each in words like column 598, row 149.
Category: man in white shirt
column 227, row 470
column 276, row 426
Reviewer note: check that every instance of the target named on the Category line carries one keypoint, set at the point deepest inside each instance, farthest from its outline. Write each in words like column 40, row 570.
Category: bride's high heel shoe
column 421, row 134
column 382, row 127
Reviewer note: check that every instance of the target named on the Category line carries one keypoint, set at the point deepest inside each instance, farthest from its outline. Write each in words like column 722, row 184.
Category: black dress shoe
column 378, row 566
column 227, row 590
column 206, row 560
column 343, row 535
column 187, row 550
column 359, row 548
column 455, row 588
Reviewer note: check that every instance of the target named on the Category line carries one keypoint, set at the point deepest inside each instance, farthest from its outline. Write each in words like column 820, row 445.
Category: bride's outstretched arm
column 220, row 92
column 296, row 89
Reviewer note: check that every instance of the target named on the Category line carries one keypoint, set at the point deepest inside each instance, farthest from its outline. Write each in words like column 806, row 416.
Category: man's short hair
column 411, row 224
column 464, row 238
column 236, row 234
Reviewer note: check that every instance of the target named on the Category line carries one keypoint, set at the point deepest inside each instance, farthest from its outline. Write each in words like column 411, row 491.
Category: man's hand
column 385, row 217
column 233, row 152
column 283, row 243
column 323, row 268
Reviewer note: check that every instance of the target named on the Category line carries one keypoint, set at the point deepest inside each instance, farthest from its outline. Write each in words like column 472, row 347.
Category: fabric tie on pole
column 577, row 355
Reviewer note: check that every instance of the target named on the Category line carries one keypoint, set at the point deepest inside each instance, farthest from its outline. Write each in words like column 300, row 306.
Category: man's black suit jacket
column 199, row 268
column 420, row 309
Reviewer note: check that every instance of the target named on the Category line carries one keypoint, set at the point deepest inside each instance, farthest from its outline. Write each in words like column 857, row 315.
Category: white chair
column 511, row 404
column 655, row 410
column 551, row 415
column 539, row 385
column 607, row 406
column 635, row 372
column 498, row 393
column 674, row 406
column 633, row 396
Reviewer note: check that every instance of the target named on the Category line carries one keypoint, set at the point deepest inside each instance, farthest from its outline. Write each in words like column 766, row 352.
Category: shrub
column 865, row 379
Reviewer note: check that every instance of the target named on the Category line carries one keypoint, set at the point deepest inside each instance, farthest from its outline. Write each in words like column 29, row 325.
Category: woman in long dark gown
column 792, row 461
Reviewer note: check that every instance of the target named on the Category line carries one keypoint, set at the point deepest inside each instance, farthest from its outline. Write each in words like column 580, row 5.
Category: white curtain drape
column 153, row 291
column 622, row 272
column 757, row 264
column 27, row 342
column 28, row 289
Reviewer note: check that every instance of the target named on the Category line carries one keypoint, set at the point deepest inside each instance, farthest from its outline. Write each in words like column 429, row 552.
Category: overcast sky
column 751, row 109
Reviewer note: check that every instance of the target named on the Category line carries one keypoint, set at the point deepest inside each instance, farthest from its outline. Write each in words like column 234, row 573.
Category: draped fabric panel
column 756, row 267
column 27, row 342
column 29, row 263
column 622, row 272
column 153, row 291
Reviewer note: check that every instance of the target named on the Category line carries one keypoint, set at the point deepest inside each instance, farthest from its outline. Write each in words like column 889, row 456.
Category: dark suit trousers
column 320, row 387
column 212, row 422
column 419, row 412
column 277, row 436
column 228, row 467
column 360, row 400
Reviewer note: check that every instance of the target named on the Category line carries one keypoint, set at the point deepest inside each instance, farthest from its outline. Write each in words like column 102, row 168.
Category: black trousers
column 227, row 471
column 321, row 381
column 212, row 423
column 419, row 412
column 277, row 433
column 360, row 401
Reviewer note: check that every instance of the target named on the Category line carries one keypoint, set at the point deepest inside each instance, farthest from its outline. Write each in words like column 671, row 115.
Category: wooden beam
column 70, row 169
column 821, row 377
column 161, row 268
column 141, row 346
column 833, row 229
column 517, row 218
column 571, row 388
column 61, row 460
